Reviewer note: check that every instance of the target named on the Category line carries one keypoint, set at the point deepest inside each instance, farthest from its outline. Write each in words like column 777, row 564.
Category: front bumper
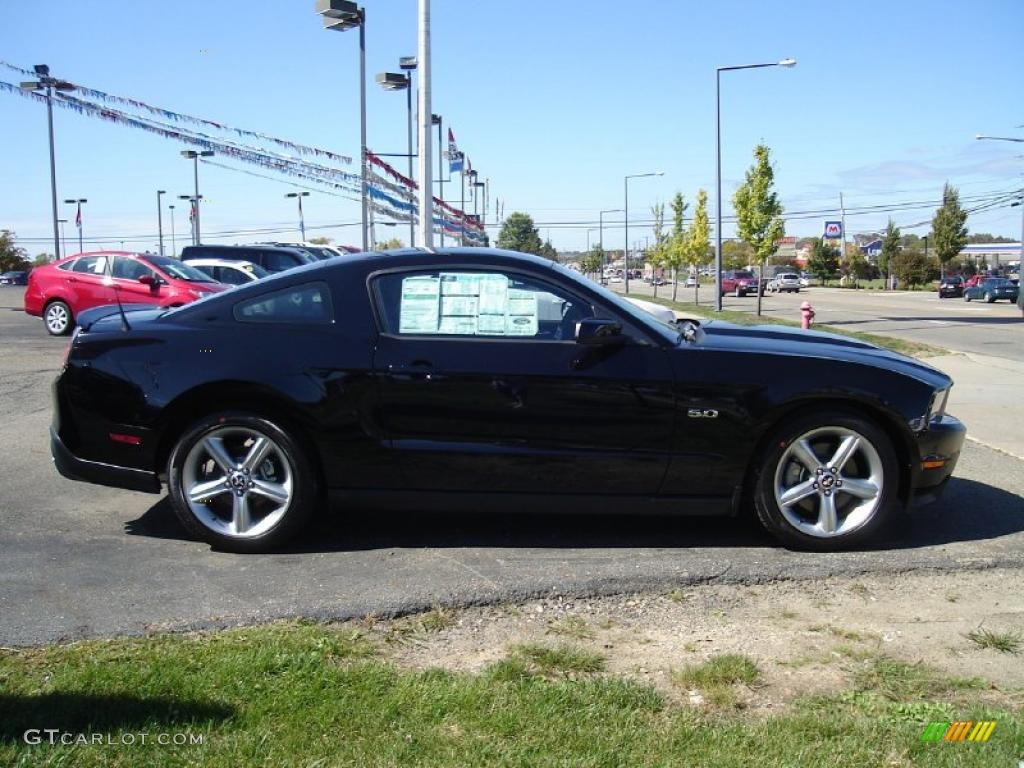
column 74, row 468
column 941, row 442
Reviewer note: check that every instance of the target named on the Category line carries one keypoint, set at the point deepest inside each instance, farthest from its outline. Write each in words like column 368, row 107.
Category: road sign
column 833, row 230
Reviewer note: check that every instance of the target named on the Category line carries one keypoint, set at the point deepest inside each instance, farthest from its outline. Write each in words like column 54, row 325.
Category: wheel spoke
column 863, row 489
column 844, row 452
column 797, row 493
column 257, row 453
column 240, row 520
column 803, row 453
column 202, row 491
column 273, row 491
column 827, row 518
column 215, row 447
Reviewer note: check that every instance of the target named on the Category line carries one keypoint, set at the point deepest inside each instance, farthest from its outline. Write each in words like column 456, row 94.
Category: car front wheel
column 826, row 482
column 58, row 318
column 967, row 297
column 989, row 298
column 241, row 482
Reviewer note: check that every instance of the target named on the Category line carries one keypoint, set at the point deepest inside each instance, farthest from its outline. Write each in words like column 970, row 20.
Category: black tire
column 989, row 298
column 289, row 460
column 767, row 467
column 740, row 294
column 58, row 318
column 967, row 297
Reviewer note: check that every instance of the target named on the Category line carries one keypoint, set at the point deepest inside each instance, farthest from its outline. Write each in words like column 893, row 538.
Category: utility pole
column 425, row 114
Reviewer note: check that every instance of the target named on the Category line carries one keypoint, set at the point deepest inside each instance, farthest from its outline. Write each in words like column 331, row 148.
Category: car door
column 125, row 273
column 88, row 283
column 482, row 387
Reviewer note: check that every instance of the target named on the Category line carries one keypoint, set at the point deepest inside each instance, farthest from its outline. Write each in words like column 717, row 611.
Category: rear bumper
column 942, row 441
column 74, row 468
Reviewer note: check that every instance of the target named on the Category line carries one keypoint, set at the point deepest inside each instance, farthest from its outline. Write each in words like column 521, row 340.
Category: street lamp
column 625, row 254
column 191, row 154
column 50, row 84
column 302, row 221
column 600, row 236
column 396, row 81
column 342, row 15
column 160, row 220
column 1020, row 255
column 78, row 217
column 174, row 245
column 787, row 63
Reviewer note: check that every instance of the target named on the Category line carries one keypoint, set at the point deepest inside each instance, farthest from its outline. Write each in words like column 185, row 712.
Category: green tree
column 890, row 248
column 823, row 261
column 855, row 265
column 390, row 245
column 518, row 233
column 321, row 240
column 12, row 257
column 548, row 251
column 42, row 259
column 758, row 210
column 698, row 241
column 910, row 267
column 592, row 261
column 736, row 254
column 949, row 233
column 658, row 255
column 677, row 244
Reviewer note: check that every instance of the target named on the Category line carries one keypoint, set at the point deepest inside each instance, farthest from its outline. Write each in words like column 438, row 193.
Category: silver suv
column 785, row 281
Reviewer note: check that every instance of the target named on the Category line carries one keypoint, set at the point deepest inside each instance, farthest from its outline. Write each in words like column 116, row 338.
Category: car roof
column 233, row 263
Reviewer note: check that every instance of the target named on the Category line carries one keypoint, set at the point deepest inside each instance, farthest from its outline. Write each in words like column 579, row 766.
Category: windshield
column 742, row 273
column 178, row 270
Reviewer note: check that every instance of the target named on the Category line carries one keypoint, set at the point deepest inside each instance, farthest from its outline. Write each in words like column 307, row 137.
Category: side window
column 229, row 275
column 300, row 304
column 276, row 261
column 92, row 265
column 128, row 269
column 480, row 304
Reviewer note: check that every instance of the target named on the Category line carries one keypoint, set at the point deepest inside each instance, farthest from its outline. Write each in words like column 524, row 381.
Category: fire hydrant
column 806, row 315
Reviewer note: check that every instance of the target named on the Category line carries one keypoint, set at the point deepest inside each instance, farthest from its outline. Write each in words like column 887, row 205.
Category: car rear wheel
column 58, row 318
column 989, row 298
column 826, row 482
column 241, row 482
column 967, row 297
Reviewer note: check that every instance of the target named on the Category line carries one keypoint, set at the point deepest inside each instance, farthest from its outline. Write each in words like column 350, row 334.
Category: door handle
column 417, row 369
column 72, row 279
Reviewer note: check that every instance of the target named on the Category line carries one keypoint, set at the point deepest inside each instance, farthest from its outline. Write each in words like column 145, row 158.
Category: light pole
column 302, row 222
column 718, row 165
column 1020, row 255
column 160, row 219
column 600, row 236
column 342, row 15
column 78, row 217
column 49, row 84
column 191, row 154
column 174, row 245
column 625, row 254
column 592, row 229
column 396, row 81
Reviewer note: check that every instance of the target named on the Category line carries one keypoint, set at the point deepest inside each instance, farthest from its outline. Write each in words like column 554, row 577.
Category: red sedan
column 58, row 292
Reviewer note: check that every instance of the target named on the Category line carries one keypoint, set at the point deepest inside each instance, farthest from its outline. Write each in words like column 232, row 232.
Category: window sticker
column 421, row 298
column 522, row 313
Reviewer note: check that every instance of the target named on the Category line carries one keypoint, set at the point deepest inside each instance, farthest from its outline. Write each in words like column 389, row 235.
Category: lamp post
column 174, row 245
column 78, row 217
column 191, row 154
column 160, row 220
column 49, row 85
column 592, row 229
column 342, row 15
column 1020, row 255
column 302, row 222
column 600, row 236
column 625, row 254
column 718, row 165
column 192, row 215
column 396, row 81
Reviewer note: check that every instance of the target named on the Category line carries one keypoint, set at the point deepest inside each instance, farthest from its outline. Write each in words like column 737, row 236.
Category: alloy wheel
column 829, row 482
column 237, row 482
column 57, row 319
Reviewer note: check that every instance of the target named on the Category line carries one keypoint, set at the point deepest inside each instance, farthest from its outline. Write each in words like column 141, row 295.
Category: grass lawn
column 314, row 695
column 912, row 348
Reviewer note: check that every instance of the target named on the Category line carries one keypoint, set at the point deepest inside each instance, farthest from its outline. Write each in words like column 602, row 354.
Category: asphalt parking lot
column 79, row 560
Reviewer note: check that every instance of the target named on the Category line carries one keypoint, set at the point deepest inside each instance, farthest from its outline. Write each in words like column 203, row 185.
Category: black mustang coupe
column 475, row 379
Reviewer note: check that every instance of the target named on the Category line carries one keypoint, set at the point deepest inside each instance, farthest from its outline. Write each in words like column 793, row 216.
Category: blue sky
column 553, row 102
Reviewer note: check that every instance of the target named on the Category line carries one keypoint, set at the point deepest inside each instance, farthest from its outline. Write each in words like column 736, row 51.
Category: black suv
column 951, row 286
column 271, row 258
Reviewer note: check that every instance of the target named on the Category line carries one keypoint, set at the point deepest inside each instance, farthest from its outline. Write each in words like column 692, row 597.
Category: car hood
column 782, row 340
column 108, row 316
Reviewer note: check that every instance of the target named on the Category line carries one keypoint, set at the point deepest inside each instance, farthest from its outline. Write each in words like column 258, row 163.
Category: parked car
column 480, row 379
column 785, row 282
column 805, row 280
column 951, row 286
column 272, row 258
column 59, row 292
column 992, row 289
column 321, row 252
column 14, row 278
column 230, row 272
column 739, row 282
column 691, row 282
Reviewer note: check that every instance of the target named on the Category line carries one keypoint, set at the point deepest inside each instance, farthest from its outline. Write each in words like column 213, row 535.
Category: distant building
column 993, row 254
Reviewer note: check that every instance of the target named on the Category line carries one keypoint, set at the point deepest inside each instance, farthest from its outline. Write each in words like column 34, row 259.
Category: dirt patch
column 805, row 636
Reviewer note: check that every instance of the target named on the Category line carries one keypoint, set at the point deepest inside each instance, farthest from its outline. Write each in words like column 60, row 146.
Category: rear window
column 742, row 273
column 309, row 303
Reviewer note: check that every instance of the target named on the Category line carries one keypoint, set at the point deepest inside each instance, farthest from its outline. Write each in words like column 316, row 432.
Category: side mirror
column 597, row 331
column 149, row 280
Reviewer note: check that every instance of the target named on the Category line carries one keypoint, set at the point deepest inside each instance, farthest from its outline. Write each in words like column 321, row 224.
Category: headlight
column 199, row 294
